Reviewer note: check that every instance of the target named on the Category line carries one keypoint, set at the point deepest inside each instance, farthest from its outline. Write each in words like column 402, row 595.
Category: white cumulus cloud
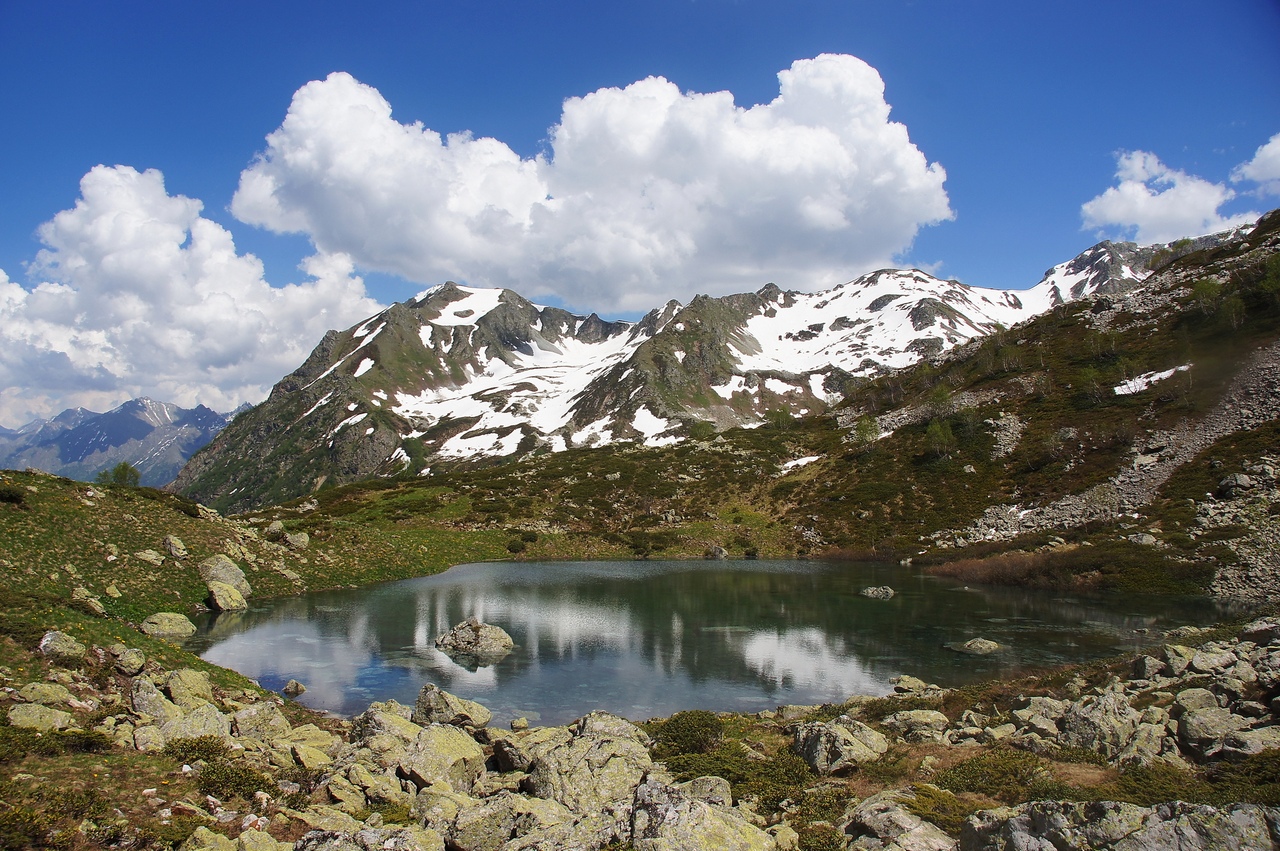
column 1155, row 203
column 644, row 193
column 1263, row 169
column 139, row 294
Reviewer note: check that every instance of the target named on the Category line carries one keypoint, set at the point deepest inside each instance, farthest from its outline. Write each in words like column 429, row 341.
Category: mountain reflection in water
column 650, row 638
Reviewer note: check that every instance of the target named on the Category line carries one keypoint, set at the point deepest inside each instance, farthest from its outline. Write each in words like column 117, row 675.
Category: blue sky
column 1026, row 108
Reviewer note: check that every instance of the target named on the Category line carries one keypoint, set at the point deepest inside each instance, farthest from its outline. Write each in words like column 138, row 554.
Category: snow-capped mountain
column 460, row 372
column 155, row 437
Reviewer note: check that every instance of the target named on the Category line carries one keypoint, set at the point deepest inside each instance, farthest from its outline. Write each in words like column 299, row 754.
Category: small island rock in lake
column 473, row 641
column 878, row 592
column 975, row 647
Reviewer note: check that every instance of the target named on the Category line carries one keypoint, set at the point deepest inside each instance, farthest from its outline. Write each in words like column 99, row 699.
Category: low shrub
column 207, row 748
column 1007, row 775
column 226, row 780
column 12, row 494
column 941, row 808
column 693, row 731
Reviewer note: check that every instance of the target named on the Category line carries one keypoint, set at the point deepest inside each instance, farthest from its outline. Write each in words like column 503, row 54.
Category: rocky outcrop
column 476, row 642
column 219, row 568
column 1111, row 826
column 667, row 818
column 837, row 746
column 882, row 821
column 436, row 706
column 593, row 783
column 597, row 762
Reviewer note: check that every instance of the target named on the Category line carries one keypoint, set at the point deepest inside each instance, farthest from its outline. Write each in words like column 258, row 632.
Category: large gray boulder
column 56, row 643
column 39, row 717
column 476, row 642
column 168, row 626
column 147, row 700
column 1203, row 732
column 225, row 598
column 385, row 719
column 436, row 706
column 501, row 818
column 261, row 722
column 219, row 568
column 204, row 720
column 442, row 752
column 1105, row 723
column 665, row 818
column 918, row 725
column 600, row 761
column 834, row 746
column 1111, row 826
column 883, row 821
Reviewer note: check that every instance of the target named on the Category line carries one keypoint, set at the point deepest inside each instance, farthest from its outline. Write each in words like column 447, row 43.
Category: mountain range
column 157, row 438
column 461, row 373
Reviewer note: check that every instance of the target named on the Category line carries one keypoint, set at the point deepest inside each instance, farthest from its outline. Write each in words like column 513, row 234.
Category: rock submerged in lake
column 293, row 688
column 476, row 642
column 878, row 592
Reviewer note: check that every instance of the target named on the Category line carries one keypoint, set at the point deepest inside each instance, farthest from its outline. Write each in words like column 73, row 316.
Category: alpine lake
column 644, row 639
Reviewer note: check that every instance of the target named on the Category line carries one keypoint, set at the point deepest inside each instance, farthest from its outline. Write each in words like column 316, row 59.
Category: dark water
column 644, row 639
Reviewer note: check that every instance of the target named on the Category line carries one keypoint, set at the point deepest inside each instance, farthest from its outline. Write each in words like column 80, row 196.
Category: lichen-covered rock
column 130, row 661
column 147, row 700
column 1246, row 743
column 174, row 547
column 1111, row 826
column 85, row 598
column 443, row 752
column 148, row 738
column 974, row 647
column 39, row 717
column 1104, row 723
column 835, row 746
column 189, row 688
column 882, row 821
column 168, row 626
column 1176, row 658
column 480, row 643
column 50, row 694
column 878, row 592
column 712, row 790
column 261, row 722
column 385, row 719
column 225, row 598
column 204, row 839
column 204, row 720
column 219, row 568
column 296, row 540
column 436, row 706
column 57, row 643
column 918, row 725
column 667, row 819
column 501, row 818
column 437, row 805
column 589, row 767
column 293, row 688
column 1203, row 732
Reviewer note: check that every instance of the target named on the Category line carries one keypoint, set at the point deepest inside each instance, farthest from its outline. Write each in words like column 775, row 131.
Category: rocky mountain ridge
column 155, row 437
column 463, row 373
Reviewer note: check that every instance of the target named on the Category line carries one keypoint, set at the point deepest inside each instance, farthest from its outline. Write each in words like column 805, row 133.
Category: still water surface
column 644, row 639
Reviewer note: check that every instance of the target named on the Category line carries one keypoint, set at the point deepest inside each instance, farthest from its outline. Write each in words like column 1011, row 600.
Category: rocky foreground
column 436, row 776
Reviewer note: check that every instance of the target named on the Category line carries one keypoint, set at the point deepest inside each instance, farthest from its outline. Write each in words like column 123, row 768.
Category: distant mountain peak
column 155, row 437
column 464, row 372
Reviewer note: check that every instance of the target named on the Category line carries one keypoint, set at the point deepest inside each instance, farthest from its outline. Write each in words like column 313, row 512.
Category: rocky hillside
column 157, row 438
column 461, row 373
